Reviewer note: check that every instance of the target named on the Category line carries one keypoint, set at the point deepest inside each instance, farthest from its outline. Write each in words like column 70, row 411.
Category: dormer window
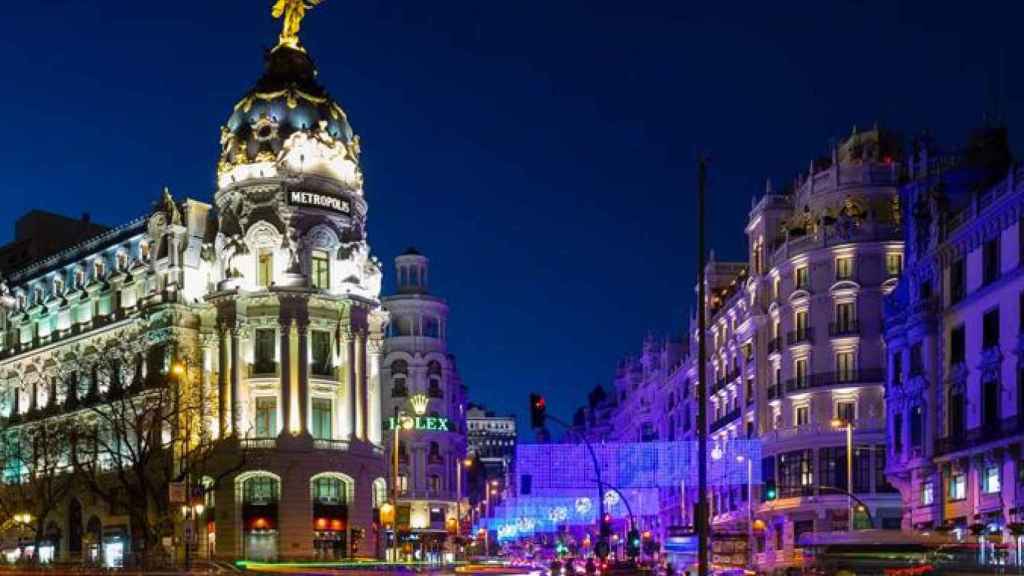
column 37, row 295
column 122, row 261
column 144, row 251
column 79, row 279
column 99, row 269
column 58, row 286
column 22, row 301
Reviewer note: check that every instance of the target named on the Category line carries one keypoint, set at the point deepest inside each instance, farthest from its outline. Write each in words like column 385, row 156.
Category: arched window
column 380, row 492
column 434, row 379
column 330, row 490
column 399, row 374
column 261, row 490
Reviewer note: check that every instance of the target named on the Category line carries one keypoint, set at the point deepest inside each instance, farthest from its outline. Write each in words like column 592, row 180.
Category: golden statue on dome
column 292, row 12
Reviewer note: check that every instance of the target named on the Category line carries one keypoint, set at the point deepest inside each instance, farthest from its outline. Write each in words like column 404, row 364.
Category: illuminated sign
column 429, row 423
column 321, row 201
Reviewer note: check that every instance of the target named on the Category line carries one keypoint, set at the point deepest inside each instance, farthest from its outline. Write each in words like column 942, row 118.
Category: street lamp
column 459, row 466
column 837, row 423
column 750, row 504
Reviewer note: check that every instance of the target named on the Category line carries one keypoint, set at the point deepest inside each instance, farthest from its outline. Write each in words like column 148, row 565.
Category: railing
column 265, row 369
column 330, row 444
column 435, row 392
column 846, row 328
column 726, row 419
column 982, row 435
column 800, row 336
column 816, row 429
column 399, row 392
column 823, row 379
column 258, row 443
column 773, row 392
column 775, row 346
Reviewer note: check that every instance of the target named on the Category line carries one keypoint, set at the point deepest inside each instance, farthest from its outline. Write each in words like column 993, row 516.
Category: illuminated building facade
column 258, row 316
column 491, row 440
column 425, row 396
column 955, row 384
column 794, row 343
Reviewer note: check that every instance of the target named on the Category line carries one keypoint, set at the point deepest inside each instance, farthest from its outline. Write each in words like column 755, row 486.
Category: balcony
column 800, row 336
column 775, row 346
column 976, row 437
column 435, row 392
column 399, row 392
column 263, row 368
column 726, row 419
column 844, row 329
column 825, row 379
column 258, row 443
column 773, row 392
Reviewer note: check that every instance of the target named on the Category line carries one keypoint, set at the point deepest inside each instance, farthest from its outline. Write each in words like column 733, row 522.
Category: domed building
column 205, row 381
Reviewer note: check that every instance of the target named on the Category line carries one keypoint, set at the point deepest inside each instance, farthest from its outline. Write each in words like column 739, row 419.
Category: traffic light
column 770, row 492
column 633, row 543
column 606, row 526
column 538, row 411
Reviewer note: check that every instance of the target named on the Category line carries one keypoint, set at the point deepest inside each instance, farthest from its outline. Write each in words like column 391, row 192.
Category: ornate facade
column 425, row 390
column 794, row 349
column 232, row 350
column 955, row 390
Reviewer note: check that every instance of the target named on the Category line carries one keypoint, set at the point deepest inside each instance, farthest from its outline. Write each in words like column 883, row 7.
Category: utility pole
column 701, row 518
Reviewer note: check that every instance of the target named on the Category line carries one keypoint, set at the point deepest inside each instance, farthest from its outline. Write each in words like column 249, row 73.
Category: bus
column 874, row 553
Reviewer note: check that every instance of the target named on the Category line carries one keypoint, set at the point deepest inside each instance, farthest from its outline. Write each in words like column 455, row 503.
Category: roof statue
column 292, row 12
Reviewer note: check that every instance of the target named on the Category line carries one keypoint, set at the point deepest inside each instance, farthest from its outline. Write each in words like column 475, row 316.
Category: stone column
column 375, row 405
column 236, row 382
column 223, row 401
column 204, row 383
column 350, row 344
column 364, row 407
column 284, row 323
column 302, row 323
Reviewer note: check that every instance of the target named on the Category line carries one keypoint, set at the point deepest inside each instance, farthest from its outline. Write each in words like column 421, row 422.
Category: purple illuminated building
column 955, row 390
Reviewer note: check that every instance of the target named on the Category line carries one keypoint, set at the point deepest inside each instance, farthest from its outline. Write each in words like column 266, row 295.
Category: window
column 122, row 261
column 144, row 251
column 99, row 268
column 957, row 416
column 846, row 411
column 893, row 264
column 990, row 329
column 844, row 267
column 846, row 366
column 990, row 261
column 957, row 486
column 957, row 345
column 266, row 417
column 846, row 319
column 800, row 377
column 265, row 267
column 990, row 480
column 777, row 288
column 990, row 403
column 801, row 324
column 434, row 483
column 403, row 483
column 434, row 380
column 803, row 278
column 321, row 344
column 322, row 419
column 862, row 470
column 261, row 490
column 833, row 467
column 329, row 491
column 431, row 327
column 803, row 415
column 320, row 270
column 897, row 433
column 263, row 351
column 928, row 493
column 916, row 426
column 916, row 360
column 957, row 281
column 897, row 367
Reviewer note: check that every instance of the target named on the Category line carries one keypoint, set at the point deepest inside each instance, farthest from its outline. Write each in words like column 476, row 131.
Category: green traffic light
column 771, row 494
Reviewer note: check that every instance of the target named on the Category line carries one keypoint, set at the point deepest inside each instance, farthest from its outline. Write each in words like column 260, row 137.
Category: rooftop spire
column 291, row 13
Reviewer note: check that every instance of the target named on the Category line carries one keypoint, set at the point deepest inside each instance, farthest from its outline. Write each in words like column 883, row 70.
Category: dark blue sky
column 540, row 152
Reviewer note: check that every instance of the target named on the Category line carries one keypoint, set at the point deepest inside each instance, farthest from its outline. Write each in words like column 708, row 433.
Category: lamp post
column 837, row 423
column 395, row 430
column 180, row 370
column 459, row 466
column 750, row 504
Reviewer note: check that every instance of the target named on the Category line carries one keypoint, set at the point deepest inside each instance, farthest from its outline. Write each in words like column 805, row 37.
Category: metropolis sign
column 429, row 423
column 320, row 201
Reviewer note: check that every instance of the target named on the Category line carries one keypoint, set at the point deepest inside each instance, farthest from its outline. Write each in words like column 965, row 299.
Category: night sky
column 540, row 152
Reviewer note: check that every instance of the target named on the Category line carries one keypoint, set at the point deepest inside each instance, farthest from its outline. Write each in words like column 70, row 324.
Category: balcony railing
column 330, row 444
column 775, row 346
column 824, row 379
column 726, row 419
column 773, row 392
column 800, row 336
column 435, row 392
column 981, row 435
column 845, row 328
column 259, row 443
